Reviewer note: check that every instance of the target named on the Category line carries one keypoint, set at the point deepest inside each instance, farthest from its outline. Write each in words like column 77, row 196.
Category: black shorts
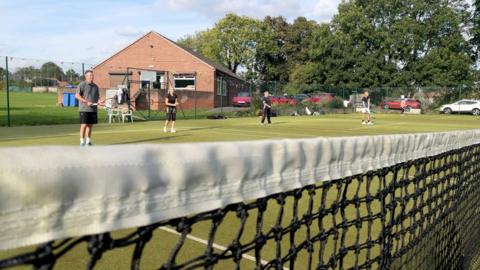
column 88, row 118
column 171, row 113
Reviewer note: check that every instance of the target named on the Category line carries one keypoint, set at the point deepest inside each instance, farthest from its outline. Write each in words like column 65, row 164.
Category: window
column 224, row 89
column 221, row 87
column 184, row 81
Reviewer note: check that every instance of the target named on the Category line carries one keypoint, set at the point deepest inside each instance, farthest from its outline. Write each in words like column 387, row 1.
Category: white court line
column 216, row 246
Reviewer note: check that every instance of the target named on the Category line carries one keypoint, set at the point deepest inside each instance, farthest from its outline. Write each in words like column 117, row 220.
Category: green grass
column 236, row 129
column 217, row 130
column 29, row 109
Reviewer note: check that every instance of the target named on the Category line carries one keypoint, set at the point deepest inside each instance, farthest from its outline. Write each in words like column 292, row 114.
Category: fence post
column 8, row 91
column 195, row 96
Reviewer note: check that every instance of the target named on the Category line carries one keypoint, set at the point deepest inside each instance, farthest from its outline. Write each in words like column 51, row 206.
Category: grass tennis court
column 221, row 130
column 236, row 129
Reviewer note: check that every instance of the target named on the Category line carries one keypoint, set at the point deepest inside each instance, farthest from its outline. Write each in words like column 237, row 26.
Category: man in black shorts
column 171, row 102
column 267, row 107
column 88, row 97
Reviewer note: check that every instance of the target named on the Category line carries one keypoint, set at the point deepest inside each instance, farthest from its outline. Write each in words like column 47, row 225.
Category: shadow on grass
column 154, row 139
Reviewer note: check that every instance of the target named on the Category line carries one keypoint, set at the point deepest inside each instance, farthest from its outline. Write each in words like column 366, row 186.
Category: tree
column 271, row 56
column 476, row 27
column 236, row 36
column 26, row 74
column 72, row 76
column 51, row 70
column 298, row 40
column 382, row 43
column 231, row 42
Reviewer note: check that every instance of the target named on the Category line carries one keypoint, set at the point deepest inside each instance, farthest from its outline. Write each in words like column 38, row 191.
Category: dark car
column 242, row 99
column 395, row 104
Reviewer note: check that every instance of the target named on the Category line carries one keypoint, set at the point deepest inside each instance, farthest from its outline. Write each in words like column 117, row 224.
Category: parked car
column 394, row 104
column 300, row 97
column 462, row 106
column 283, row 100
column 242, row 99
column 319, row 97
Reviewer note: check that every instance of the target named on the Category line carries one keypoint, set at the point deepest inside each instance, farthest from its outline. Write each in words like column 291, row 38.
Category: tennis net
column 383, row 202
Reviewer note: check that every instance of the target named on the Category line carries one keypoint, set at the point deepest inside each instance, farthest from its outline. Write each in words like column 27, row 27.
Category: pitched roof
column 202, row 58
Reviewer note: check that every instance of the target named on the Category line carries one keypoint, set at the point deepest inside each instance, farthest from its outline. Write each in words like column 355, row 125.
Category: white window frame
column 184, row 77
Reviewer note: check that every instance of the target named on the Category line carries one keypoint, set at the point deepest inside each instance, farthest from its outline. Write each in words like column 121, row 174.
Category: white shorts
column 366, row 110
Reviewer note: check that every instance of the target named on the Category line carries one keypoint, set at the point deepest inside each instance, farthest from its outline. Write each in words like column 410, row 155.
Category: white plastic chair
column 127, row 113
column 112, row 112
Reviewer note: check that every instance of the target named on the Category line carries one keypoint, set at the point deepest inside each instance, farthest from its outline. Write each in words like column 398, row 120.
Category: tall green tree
column 475, row 32
column 395, row 43
column 50, row 70
column 271, row 56
column 72, row 76
column 232, row 42
column 26, row 73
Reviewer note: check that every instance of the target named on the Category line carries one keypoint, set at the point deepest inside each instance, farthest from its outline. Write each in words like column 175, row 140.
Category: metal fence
column 34, row 92
column 30, row 87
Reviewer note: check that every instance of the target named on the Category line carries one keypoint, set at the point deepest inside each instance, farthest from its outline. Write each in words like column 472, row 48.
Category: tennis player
column 366, row 117
column 267, row 107
column 171, row 102
column 88, row 97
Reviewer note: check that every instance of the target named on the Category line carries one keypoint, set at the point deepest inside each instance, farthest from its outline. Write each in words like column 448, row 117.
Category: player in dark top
column 88, row 97
column 171, row 102
column 267, row 107
column 366, row 118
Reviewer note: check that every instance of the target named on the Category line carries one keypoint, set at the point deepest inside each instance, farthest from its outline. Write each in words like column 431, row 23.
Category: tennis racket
column 184, row 99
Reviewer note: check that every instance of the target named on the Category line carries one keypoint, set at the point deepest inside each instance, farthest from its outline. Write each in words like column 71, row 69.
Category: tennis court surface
column 294, row 195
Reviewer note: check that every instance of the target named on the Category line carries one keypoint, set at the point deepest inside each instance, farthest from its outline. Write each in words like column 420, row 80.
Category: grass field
column 236, row 129
column 29, row 109
column 219, row 130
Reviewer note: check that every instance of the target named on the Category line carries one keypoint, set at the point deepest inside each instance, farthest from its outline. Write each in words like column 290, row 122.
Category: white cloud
column 92, row 36
column 325, row 9
column 255, row 8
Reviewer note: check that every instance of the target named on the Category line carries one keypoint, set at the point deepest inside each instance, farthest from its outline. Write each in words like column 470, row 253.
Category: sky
column 92, row 30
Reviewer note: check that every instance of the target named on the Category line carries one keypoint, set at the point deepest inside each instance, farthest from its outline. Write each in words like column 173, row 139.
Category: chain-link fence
column 325, row 98
column 42, row 92
column 34, row 91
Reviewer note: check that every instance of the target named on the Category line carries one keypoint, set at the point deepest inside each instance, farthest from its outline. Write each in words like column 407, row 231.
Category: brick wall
column 154, row 52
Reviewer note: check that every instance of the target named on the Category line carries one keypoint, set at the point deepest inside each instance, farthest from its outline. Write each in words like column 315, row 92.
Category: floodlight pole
column 8, row 91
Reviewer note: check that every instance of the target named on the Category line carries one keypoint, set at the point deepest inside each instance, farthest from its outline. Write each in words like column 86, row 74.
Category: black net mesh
column 420, row 214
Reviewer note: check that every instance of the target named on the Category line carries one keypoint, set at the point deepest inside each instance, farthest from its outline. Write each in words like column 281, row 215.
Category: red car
column 394, row 104
column 242, row 99
column 283, row 100
column 320, row 97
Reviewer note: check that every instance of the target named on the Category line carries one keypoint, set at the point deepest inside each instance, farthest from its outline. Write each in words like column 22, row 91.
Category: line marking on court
column 216, row 246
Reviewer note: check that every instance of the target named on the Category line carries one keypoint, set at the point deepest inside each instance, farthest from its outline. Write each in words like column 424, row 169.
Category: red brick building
column 157, row 63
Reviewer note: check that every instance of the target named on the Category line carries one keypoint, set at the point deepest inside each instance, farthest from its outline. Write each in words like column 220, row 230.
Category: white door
column 461, row 106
